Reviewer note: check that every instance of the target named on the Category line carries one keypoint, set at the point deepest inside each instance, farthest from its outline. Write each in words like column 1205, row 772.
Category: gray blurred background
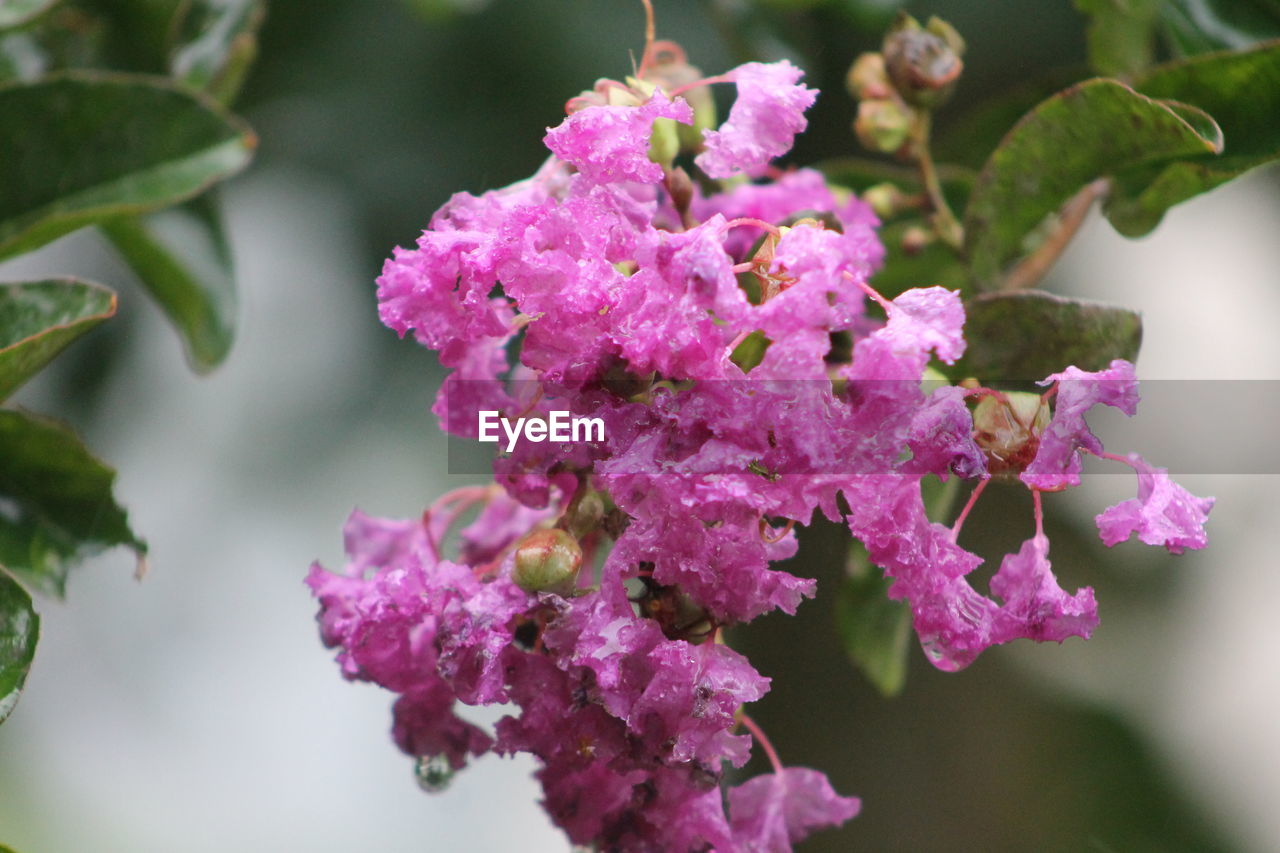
column 197, row 711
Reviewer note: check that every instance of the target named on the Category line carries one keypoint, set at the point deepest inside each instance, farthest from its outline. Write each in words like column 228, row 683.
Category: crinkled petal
column 689, row 704
column 610, row 144
column 1057, row 462
column 1035, row 606
column 927, row 318
column 1163, row 513
column 941, row 436
column 425, row 725
column 770, row 813
column 682, row 308
column 502, row 521
column 763, row 121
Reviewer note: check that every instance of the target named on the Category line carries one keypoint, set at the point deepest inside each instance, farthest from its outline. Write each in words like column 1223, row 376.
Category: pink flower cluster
column 611, row 285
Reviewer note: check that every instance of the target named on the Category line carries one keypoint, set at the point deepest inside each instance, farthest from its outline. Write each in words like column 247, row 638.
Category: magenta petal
column 1035, row 606
column 425, row 725
column 1057, row 463
column 763, row 121
column 941, row 437
column 774, row 811
column 610, row 144
column 1163, row 513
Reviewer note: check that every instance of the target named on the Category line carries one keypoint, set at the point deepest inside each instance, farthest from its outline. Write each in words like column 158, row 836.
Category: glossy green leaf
column 80, row 147
column 1088, row 131
column 1203, row 26
column 1026, row 336
column 19, row 630
column 969, row 137
column 15, row 13
column 1121, row 35
column 876, row 630
column 181, row 256
column 1242, row 93
column 58, row 502
column 39, row 318
column 222, row 44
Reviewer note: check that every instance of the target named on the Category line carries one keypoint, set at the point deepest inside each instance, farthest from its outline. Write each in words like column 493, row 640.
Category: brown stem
column 1034, row 266
column 944, row 220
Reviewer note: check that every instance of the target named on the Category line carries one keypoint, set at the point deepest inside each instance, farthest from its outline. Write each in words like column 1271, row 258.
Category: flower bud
column 671, row 70
column 915, row 240
column 883, row 125
column 547, row 561
column 867, row 79
column 664, row 143
column 1008, row 430
column 586, row 514
column 680, row 185
column 883, row 199
column 923, row 63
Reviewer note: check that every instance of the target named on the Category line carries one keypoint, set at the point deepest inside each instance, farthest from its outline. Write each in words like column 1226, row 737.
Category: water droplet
column 434, row 773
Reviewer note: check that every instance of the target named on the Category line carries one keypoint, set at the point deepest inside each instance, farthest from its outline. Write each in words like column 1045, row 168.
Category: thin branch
column 1033, row 267
column 944, row 220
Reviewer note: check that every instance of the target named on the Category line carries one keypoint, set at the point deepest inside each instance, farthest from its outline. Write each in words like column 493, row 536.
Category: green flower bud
column 671, row 71
column 548, row 561
column 923, row 63
column 664, row 144
column 883, row 199
column 883, row 125
column 586, row 514
column 867, row 79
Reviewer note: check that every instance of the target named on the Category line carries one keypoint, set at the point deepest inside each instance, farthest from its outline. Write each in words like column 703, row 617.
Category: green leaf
column 969, row 137
column 876, row 630
column 748, row 354
column 57, row 501
column 1121, row 35
column 1026, row 336
column 181, row 256
column 39, row 318
column 79, row 147
column 1088, row 131
column 1242, row 93
column 19, row 630
column 1203, row 26
column 223, row 42
column 15, row 13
